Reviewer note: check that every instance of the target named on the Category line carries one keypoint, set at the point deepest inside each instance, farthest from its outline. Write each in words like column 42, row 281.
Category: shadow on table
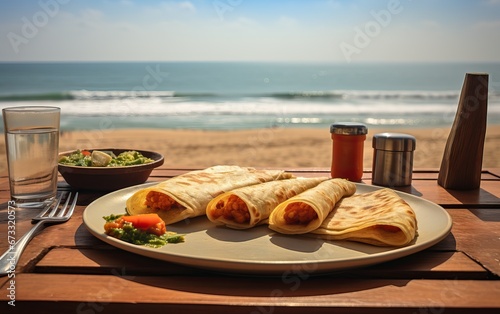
column 471, row 198
column 287, row 285
column 487, row 214
column 299, row 280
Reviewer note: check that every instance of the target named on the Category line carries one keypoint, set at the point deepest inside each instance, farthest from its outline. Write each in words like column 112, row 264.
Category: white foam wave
column 341, row 94
column 262, row 106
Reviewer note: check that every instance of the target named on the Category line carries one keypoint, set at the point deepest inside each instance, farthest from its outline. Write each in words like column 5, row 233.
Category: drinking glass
column 32, row 145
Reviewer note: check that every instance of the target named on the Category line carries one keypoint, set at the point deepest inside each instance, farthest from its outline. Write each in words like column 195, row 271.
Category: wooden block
column 463, row 154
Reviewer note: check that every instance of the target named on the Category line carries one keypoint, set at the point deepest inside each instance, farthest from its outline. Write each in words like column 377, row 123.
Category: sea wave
column 34, row 97
column 333, row 95
column 258, row 106
column 100, row 95
column 369, row 94
column 92, row 109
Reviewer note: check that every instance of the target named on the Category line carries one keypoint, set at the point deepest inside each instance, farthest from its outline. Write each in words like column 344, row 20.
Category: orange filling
column 159, row 201
column 233, row 209
column 299, row 214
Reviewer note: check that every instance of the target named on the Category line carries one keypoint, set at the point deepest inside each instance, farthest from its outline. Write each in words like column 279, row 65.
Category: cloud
column 189, row 29
column 186, row 5
column 178, row 7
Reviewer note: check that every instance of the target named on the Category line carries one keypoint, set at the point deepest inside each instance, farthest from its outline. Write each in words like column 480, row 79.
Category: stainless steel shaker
column 392, row 159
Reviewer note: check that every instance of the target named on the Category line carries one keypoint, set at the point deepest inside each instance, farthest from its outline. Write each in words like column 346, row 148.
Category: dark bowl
column 109, row 178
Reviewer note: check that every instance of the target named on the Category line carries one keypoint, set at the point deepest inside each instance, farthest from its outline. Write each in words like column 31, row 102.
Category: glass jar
column 347, row 150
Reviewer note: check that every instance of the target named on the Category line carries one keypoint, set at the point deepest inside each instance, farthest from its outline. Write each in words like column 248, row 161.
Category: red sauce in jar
column 347, row 150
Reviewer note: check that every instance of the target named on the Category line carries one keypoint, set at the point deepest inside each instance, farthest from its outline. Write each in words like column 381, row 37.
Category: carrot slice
column 143, row 221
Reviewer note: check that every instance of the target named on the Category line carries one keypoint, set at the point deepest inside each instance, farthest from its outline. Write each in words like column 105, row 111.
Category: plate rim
column 261, row 267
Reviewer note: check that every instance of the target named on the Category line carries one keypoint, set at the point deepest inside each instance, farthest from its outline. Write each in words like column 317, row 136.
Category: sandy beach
column 274, row 147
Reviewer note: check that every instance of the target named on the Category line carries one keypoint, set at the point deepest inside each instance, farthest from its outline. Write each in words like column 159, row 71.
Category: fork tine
column 65, row 206
column 52, row 207
column 73, row 205
column 56, row 206
column 46, row 209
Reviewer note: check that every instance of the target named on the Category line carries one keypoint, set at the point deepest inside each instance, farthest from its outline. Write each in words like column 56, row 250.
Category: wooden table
column 67, row 270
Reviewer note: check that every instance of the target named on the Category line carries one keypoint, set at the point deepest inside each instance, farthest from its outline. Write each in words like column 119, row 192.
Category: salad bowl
column 108, row 178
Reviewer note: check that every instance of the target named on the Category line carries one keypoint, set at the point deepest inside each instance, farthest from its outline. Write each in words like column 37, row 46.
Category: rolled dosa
column 249, row 206
column 307, row 210
column 187, row 195
column 380, row 218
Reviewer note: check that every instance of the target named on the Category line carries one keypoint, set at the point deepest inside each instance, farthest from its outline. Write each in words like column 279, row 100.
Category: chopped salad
column 96, row 158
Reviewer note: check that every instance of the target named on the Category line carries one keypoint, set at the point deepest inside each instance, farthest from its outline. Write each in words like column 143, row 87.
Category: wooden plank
column 487, row 195
column 165, row 173
column 432, row 175
column 477, row 234
column 445, row 265
column 106, row 260
column 235, row 294
column 495, row 172
column 427, row 264
column 418, row 174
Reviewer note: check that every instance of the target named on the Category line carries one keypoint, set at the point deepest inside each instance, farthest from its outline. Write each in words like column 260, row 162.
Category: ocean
column 244, row 95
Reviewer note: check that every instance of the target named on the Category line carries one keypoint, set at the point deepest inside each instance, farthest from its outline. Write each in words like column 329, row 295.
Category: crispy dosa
column 307, row 211
column 379, row 218
column 187, row 195
column 249, row 206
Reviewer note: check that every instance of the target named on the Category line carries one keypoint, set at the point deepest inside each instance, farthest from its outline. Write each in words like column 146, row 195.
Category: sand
column 276, row 147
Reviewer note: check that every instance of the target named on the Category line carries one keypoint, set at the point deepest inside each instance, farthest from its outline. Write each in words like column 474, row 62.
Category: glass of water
column 32, row 145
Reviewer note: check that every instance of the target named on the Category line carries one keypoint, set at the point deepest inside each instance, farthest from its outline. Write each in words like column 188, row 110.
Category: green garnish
column 130, row 234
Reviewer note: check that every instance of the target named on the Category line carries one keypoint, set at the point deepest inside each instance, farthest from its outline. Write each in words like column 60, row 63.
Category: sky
column 251, row 30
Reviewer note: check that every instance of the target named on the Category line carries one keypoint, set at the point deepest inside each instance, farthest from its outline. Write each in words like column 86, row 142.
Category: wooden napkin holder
column 463, row 155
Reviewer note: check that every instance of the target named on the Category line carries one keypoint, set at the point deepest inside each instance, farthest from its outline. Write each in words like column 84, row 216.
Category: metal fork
column 54, row 213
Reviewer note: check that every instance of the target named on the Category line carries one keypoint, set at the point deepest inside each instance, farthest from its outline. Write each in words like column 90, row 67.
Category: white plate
column 261, row 251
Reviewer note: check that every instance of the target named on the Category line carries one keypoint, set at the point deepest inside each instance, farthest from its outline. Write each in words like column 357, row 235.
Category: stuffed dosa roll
column 187, row 195
column 249, row 206
column 379, row 218
column 307, row 211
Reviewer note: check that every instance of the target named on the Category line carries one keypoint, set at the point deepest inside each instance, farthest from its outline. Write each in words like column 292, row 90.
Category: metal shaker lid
column 398, row 142
column 348, row 128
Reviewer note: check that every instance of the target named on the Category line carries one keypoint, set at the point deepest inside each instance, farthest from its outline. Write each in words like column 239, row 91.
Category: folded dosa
column 187, row 195
column 307, row 210
column 380, row 218
column 248, row 206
